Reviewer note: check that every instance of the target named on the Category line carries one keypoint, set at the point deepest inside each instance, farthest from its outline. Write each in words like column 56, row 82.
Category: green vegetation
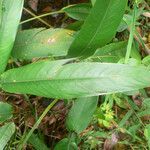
column 97, row 66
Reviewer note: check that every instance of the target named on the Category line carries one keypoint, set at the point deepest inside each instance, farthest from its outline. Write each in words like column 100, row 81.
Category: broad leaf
column 78, row 118
column 42, row 43
column 11, row 14
column 60, row 80
column 99, row 27
column 6, row 132
column 5, row 111
column 78, row 11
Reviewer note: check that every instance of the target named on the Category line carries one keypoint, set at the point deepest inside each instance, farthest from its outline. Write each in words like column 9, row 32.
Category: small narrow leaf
column 56, row 80
column 11, row 14
column 110, row 53
column 125, row 118
column 78, row 118
column 99, row 27
column 78, row 11
column 6, row 132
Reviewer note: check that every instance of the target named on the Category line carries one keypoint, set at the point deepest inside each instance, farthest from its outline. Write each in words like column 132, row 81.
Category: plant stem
column 131, row 37
column 32, row 14
column 36, row 124
column 40, row 16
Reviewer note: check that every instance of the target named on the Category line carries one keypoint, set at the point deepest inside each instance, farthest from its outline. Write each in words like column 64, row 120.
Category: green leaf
column 78, row 118
column 132, row 130
column 78, row 11
column 93, row 2
column 99, row 27
column 11, row 14
column 6, row 132
column 145, row 112
column 146, row 60
column 147, row 134
column 5, row 111
column 146, row 103
column 63, row 145
column 37, row 143
column 122, row 26
column 42, row 43
column 110, row 53
column 31, row 44
column 58, row 79
column 1, row 10
column 75, row 25
column 125, row 118
column 66, row 144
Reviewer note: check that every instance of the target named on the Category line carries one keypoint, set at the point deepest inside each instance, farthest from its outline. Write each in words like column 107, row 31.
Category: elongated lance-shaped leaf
column 6, row 132
column 78, row 119
column 5, row 111
column 58, row 79
column 99, row 27
column 11, row 13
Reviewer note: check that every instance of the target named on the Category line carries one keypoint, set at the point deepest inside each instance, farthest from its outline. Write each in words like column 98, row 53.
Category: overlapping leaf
column 110, row 53
column 11, row 12
column 78, row 118
column 42, row 43
column 57, row 80
column 78, row 11
column 6, row 132
column 99, row 27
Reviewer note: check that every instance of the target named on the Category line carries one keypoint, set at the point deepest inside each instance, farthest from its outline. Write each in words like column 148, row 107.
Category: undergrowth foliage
column 94, row 64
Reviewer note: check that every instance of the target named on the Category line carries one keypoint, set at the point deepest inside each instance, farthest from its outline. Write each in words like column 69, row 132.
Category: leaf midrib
column 55, row 79
column 101, row 22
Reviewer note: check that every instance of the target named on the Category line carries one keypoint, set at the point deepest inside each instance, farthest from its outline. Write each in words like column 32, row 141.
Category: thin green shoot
column 24, row 141
column 40, row 16
column 131, row 36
